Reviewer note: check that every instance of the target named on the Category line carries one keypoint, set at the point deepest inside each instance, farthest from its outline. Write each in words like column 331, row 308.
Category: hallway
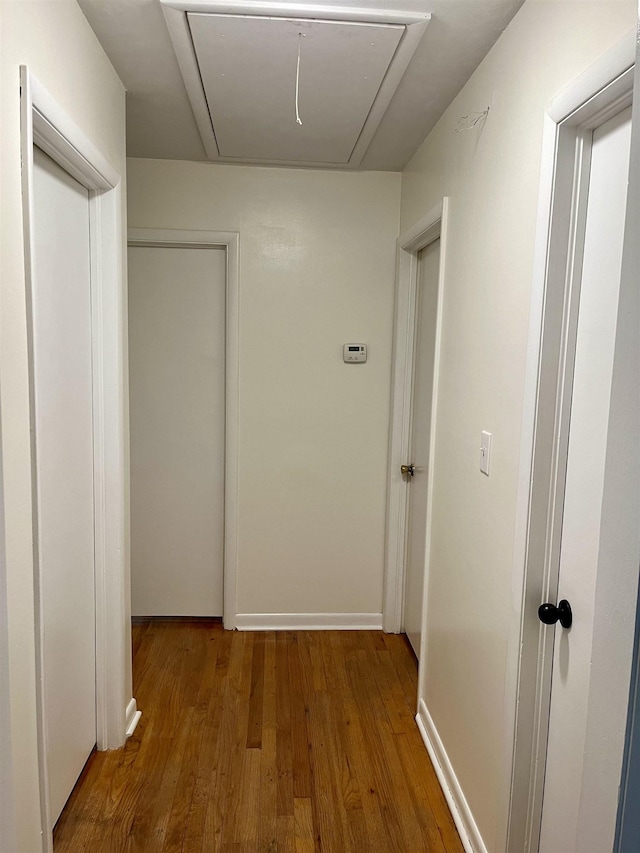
column 292, row 741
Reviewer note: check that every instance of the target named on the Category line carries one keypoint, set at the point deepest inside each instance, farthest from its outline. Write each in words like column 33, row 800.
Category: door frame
column 7, row 800
column 230, row 242
column 409, row 244
column 46, row 125
column 602, row 90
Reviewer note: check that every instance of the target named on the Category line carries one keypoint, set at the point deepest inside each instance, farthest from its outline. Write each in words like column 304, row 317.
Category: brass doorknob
column 408, row 469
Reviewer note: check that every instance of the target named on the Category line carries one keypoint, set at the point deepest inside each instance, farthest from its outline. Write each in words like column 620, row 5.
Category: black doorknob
column 550, row 614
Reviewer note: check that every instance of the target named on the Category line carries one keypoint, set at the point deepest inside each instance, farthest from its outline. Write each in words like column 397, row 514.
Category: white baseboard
column 132, row 717
column 462, row 816
column 309, row 621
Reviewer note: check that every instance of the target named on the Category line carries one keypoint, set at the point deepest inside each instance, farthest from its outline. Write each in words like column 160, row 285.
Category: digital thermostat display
column 354, row 353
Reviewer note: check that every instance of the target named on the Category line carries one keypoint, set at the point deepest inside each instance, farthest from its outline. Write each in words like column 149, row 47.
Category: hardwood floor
column 293, row 742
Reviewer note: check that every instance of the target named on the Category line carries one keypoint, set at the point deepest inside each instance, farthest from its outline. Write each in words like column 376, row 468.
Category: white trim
column 298, row 10
column 175, row 13
column 518, row 591
column 43, row 122
column 603, row 87
column 230, row 241
column 132, row 717
column 424, row 232
column 598, row 77
column 7, row 782
column 61, row 138
column 462, row 816
column 309, row 621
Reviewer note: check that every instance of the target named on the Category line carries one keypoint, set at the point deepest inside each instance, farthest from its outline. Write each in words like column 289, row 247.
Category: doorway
column 421, row 258
column 574, row 680
column 63, row 410
column 64, row 175
column 591, row 594
column 419, row 462
column 184, row 381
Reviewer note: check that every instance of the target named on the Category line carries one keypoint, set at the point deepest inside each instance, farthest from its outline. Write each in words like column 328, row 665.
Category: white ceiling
column 161, row 124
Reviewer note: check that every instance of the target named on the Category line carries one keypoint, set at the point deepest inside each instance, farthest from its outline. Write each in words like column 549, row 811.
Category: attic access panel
column 240, row 71
column 249, row 68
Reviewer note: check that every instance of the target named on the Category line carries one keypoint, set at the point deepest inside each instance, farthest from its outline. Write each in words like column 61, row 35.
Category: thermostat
column 354, row 352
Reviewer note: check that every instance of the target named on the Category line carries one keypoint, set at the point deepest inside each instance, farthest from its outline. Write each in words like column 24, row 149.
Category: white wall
column 54, row 40
column 317, row 254
column 491, row 175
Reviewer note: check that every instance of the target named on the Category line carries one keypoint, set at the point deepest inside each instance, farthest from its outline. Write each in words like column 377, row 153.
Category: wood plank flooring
column 295, row 742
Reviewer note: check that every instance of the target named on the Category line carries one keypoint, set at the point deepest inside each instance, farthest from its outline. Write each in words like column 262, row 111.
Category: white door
column 426, row 311
column 177, row 404
column 583, row 760
column 64, row 467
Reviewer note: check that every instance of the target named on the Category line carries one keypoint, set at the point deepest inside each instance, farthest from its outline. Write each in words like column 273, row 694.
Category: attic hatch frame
column 176, row 11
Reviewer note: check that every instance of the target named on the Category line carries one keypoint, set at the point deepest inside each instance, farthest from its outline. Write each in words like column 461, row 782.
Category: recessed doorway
column 183, row 421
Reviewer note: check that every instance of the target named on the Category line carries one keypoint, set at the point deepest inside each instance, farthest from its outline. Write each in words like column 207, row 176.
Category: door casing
column 604, row 89
column 425, row 231
column 420, row 443
column 7, row 801
column 230, row 242
column 45, row 124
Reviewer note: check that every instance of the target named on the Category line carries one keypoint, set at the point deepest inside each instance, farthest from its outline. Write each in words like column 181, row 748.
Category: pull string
column 298, row 119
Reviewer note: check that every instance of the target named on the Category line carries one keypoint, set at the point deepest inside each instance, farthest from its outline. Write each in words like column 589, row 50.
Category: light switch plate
column 485, row 451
